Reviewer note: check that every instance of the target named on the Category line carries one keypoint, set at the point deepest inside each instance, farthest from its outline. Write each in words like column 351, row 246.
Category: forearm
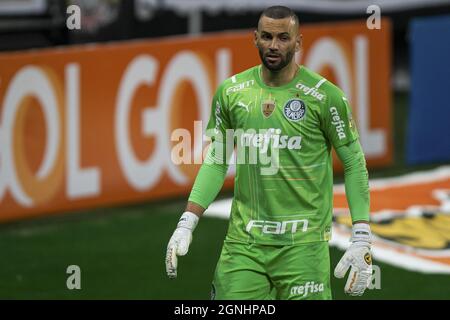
column 208, row 183
column 356, row 181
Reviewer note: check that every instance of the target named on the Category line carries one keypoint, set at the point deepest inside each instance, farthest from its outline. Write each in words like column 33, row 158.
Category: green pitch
column 121, row 255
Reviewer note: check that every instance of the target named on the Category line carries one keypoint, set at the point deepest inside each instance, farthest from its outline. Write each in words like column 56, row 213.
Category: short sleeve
column 337, row 121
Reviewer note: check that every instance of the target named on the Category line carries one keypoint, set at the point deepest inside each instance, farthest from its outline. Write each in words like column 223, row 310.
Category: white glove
column 180, row 241
column 359, row 258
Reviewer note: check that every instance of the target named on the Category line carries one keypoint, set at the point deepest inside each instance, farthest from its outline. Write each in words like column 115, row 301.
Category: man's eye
column 284, row 38
column 266, row 36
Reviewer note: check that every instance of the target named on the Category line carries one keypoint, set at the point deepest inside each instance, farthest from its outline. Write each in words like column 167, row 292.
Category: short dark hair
column 280, row 12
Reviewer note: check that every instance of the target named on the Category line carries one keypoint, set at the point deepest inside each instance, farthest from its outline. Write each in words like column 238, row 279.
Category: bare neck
column 279, row 78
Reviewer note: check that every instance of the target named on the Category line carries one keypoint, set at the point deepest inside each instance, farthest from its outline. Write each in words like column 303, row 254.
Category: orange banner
column 97, row 124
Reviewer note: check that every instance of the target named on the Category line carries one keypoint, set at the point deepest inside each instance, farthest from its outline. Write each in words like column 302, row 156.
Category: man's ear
column 255, row 40
column 298, row 43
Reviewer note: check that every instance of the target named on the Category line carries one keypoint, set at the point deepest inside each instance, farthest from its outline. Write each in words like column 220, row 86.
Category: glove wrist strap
column 188, row 220
column 361, row 233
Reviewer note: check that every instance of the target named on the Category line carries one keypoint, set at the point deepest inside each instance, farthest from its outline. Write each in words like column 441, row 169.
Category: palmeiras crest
column 294, row 110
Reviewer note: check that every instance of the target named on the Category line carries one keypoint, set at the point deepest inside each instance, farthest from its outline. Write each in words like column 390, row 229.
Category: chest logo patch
column 294, row 110
column 267, row 107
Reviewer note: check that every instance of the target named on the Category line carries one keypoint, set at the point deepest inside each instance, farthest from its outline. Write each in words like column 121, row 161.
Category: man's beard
column 283, row 62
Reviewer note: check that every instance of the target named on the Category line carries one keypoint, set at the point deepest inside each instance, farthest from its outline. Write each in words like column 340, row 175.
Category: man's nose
column 273, row 44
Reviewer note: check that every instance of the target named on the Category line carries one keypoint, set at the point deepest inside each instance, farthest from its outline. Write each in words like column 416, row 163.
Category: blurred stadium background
column 86, row 176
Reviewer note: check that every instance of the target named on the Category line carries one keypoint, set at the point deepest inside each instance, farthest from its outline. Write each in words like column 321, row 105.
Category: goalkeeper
column 276, row 246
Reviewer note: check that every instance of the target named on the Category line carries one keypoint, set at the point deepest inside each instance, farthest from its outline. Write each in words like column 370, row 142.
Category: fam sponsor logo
column 310, row 91
column 337, row 123
column 306, row 289
column 239, row 87
column 277, row 227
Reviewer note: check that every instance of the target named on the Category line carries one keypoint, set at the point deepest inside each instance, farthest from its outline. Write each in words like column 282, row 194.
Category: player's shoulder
column 238, row 81
column 321, row 84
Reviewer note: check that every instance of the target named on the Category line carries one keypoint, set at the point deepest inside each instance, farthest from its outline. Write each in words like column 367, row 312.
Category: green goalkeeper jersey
column 283, row 137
